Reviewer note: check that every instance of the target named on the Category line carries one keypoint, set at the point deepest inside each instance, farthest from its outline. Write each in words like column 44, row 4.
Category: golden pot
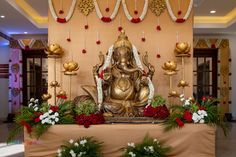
column 170, row 66
column 47, row 96
column 54, row 84
column 183, row 83
column 182, row 48
column 54, row 49
column 71, row 66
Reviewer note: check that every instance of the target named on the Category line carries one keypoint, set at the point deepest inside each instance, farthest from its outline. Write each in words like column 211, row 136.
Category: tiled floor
column 225, row 146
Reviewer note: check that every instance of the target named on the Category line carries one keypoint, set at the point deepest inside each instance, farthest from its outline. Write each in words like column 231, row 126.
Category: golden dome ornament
column 173, row 94
column 170, row 67
column 46, row 97
column 54, row 51
column 61, row 93
column 70, row 68
column 182, row 49
column 54, row 84
column 183, row 84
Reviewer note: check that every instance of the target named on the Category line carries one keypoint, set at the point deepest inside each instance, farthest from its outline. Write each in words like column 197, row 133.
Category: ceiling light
column 212, row 11
column 2, row 16
column 25, row 32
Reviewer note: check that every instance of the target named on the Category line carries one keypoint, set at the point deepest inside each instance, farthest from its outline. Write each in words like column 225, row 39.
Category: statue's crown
column 122, row 41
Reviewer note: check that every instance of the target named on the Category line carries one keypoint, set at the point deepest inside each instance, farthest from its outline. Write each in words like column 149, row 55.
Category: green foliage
column 66, row 113
column 14, row 132
column 157, row 101
column 148, row 148
column 39, row 129
column 87, row 107
column 86, row 147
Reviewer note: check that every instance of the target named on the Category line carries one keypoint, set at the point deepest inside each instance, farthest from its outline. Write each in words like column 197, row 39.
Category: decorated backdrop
column 83, row 28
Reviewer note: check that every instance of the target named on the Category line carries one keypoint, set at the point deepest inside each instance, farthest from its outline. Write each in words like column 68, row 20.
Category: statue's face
column 122, row 55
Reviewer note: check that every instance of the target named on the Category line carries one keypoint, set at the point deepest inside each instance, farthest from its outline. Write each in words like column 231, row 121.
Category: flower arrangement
column 204, row 111
column 88, row 113
column 83, row 147
column 157, row 109
column 38, row 118
column 149, row 148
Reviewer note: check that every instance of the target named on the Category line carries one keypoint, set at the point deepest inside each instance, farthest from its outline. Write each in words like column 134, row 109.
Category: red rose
column 149, row 111
column 62, row 97
column 54, row 108
column 187, row 116
column 179, row 122
column 204, row 98
column 27, row 126
column 36, row 120
column 162, row 112
column 87, row 124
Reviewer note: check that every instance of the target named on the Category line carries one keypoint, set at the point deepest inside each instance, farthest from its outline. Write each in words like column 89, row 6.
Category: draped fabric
column 15, row 69
column 193, row 140
column 224, row 82
column 15, row 80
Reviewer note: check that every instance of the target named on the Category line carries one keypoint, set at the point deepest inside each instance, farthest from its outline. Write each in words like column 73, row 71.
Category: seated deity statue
column 123, row 88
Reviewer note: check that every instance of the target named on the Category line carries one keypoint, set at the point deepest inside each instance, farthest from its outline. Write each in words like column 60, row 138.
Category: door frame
column 34, row 53
column 210, row 52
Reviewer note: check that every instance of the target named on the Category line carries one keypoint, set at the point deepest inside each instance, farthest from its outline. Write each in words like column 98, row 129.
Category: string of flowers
column 104, row 18
column 69, row 15
column 132, row 19
column 174, row 18
column 149, row 147
column 83, row 147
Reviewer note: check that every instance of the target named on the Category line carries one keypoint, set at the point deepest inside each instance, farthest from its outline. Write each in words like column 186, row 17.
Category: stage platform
column 193, row 140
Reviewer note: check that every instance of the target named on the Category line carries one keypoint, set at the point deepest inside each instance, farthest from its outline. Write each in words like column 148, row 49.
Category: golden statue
column 125, row 88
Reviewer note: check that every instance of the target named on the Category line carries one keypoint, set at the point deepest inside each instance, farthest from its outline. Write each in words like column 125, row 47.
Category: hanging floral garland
column 113, row 15
column 69, row 15
column 174, row 18
column 132, row 19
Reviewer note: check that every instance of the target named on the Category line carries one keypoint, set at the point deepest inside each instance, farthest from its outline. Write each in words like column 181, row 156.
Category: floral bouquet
column 148, row 148
column 191, row 111
column 88, row 113
column 157, row 109
column 84, row 147
column 38, row 118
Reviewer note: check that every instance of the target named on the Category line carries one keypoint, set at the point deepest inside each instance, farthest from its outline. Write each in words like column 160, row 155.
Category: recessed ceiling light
column 2, row 16
column 212, row 11
column 25, row 32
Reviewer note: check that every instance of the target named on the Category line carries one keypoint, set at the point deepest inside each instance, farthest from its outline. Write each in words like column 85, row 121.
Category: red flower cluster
column 37, row 115
column 187, row 116
column 106, row 19
column 54, row 108
column 91, row 119
column 160, row 112
column 62, row 97
column 179, row 122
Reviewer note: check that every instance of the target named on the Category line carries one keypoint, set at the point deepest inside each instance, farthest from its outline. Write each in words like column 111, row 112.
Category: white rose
column 30, row 104
column 56, row 114
column 59, row 151
column 32, row 100
column 53, row 123
column 202, row 121
column 71, row 141
column 76, row 144
column 56, row 119
column 36, row 109
column 50, row 111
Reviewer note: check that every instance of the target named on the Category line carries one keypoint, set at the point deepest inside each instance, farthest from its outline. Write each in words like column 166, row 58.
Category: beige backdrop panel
column 165, row 40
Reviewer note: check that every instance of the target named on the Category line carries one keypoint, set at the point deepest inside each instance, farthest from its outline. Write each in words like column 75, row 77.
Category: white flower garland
column 69, row 15
column 113, row 15
column 150, row 84
column 130, row 18
column 174, row 18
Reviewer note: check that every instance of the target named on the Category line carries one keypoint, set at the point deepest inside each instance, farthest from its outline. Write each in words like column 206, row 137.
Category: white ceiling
column 16, row 23
column 222, row 7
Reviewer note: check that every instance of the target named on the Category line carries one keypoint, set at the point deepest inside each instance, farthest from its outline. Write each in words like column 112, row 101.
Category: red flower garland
column 90, row 119
column 106, row 19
